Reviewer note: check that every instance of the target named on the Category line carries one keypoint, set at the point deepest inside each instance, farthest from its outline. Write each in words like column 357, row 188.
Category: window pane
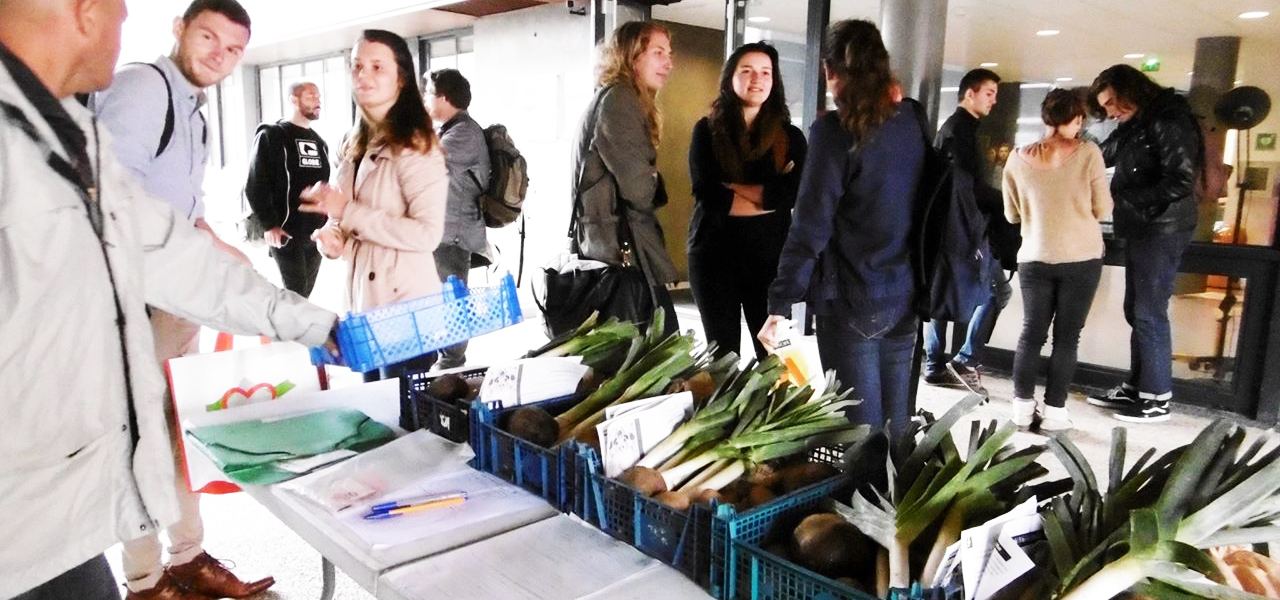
column 783, row 24
column 1204, row 341
column 269, row 97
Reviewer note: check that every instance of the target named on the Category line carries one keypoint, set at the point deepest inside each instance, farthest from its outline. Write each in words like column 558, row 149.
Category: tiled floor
column 239, row 529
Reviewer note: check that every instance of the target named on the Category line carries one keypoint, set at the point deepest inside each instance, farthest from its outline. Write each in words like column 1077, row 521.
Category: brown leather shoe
column 206, row 575
column 165, row 589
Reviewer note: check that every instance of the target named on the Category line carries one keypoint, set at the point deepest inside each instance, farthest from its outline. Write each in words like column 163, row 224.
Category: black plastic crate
column 420, row 410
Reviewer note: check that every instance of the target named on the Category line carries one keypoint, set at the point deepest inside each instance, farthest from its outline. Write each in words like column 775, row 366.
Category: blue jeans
column 1057, row 294
column 872, row 355
column 977, row 329
column 1150, row 265
column 92, row 580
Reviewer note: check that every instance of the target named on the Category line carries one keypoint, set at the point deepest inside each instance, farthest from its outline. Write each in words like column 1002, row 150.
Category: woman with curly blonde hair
column 616, row 181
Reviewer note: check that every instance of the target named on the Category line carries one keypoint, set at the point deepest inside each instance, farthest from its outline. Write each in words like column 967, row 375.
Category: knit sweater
column 1058, row 207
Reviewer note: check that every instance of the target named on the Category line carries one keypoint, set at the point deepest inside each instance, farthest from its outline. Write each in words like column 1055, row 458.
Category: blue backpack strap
column 167, row 134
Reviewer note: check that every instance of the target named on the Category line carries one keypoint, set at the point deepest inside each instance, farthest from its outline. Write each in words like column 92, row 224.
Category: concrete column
column 607, row 15
column 735, row 25
column 815, row 85
column 1213, row 74
column 914, row 32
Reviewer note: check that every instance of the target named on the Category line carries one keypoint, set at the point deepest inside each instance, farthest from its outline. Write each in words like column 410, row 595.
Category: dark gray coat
column 467, row 157
column 615, row 163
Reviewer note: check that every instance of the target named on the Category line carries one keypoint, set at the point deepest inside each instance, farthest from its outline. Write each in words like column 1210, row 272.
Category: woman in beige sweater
column 1057, row 189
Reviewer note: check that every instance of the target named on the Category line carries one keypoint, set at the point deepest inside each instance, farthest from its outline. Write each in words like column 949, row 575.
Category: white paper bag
column 209, row 389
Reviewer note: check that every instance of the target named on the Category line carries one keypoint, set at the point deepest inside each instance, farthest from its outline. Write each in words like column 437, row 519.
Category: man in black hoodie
column 288, row 157
column 1157, row 151
column 957, row 140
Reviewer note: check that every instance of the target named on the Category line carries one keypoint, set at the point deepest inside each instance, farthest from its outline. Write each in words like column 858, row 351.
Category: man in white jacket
column 84, row 446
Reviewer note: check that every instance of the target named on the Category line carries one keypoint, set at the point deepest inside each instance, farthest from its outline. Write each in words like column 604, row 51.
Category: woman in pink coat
column 386, row 214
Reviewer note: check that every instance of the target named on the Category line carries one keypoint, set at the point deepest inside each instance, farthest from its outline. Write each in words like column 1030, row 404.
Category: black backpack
column 500, row 203
column 950, row 246
column 167, row 133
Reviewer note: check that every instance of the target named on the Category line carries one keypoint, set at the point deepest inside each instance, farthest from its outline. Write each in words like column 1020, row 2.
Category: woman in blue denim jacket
column 847, row 253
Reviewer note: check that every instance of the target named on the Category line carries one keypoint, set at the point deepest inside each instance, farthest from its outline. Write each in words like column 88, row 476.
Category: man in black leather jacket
column 1157, row 152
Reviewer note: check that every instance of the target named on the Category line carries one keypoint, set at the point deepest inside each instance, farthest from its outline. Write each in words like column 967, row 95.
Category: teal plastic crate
column 757, row 574
column 696, row 542
column 403, row 330
column 730, row 567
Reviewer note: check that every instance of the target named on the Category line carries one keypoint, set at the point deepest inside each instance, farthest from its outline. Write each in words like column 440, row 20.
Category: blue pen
column 383, row 508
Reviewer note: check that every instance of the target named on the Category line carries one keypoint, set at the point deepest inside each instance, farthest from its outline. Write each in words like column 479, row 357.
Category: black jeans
column 733, row 281
column 299, row 263
column 453, row 260
column 1060, row 294
column 872, row 354
column 89, row 581
column 1150, row 265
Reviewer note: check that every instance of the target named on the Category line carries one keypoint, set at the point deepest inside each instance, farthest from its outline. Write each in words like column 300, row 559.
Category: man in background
column 288, row 157
column 448, row 94
column 1158, row 152
column 957, row 140
column 87, row 455
column 160, row 136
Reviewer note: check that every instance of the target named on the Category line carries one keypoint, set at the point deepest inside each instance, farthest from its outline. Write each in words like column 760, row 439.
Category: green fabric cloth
column 248, row 451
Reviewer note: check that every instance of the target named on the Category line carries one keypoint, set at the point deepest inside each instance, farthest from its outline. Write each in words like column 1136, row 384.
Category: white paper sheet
column 487, row 497
column 626, row 438
column 977, row 543
column 531, row 380
column 365, row 479
column 1008, row 559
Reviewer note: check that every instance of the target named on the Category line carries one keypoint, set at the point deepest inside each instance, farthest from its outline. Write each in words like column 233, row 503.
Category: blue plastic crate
column 397, row 332
column 681, row 539
column 547, row 472
column 696, row 541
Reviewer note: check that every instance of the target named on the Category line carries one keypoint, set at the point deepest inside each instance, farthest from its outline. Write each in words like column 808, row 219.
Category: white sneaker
column 1054, row 418
column 1024, row 413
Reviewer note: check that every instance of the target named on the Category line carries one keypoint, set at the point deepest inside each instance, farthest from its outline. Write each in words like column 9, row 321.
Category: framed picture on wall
column 1266, row 141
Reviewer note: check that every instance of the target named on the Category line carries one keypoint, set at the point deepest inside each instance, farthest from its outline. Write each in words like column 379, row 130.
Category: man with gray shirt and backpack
column 448, row 95
column 160, row 136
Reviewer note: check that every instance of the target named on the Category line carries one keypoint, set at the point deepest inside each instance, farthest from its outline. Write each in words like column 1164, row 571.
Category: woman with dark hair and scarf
column 386, row 214
column 847, row 253
column 745, row 161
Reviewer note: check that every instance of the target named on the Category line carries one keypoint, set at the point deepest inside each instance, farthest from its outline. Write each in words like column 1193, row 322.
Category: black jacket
column 1156, row 155
column 712, row 200
column 957, row 140
column 848, row 250
column 286, row 160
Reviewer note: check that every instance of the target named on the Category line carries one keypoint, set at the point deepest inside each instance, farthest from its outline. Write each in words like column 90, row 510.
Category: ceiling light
column 988, row 64
column 1254, row 14
column 1238, row 82
column 759, row 19
column 1134, row 55
column 1047, row 32
column 1190, row 73
column 1035, row 86
column 1063, row 79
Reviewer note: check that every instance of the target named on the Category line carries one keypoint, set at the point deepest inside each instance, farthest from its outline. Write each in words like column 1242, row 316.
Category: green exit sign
column 1151, row 64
